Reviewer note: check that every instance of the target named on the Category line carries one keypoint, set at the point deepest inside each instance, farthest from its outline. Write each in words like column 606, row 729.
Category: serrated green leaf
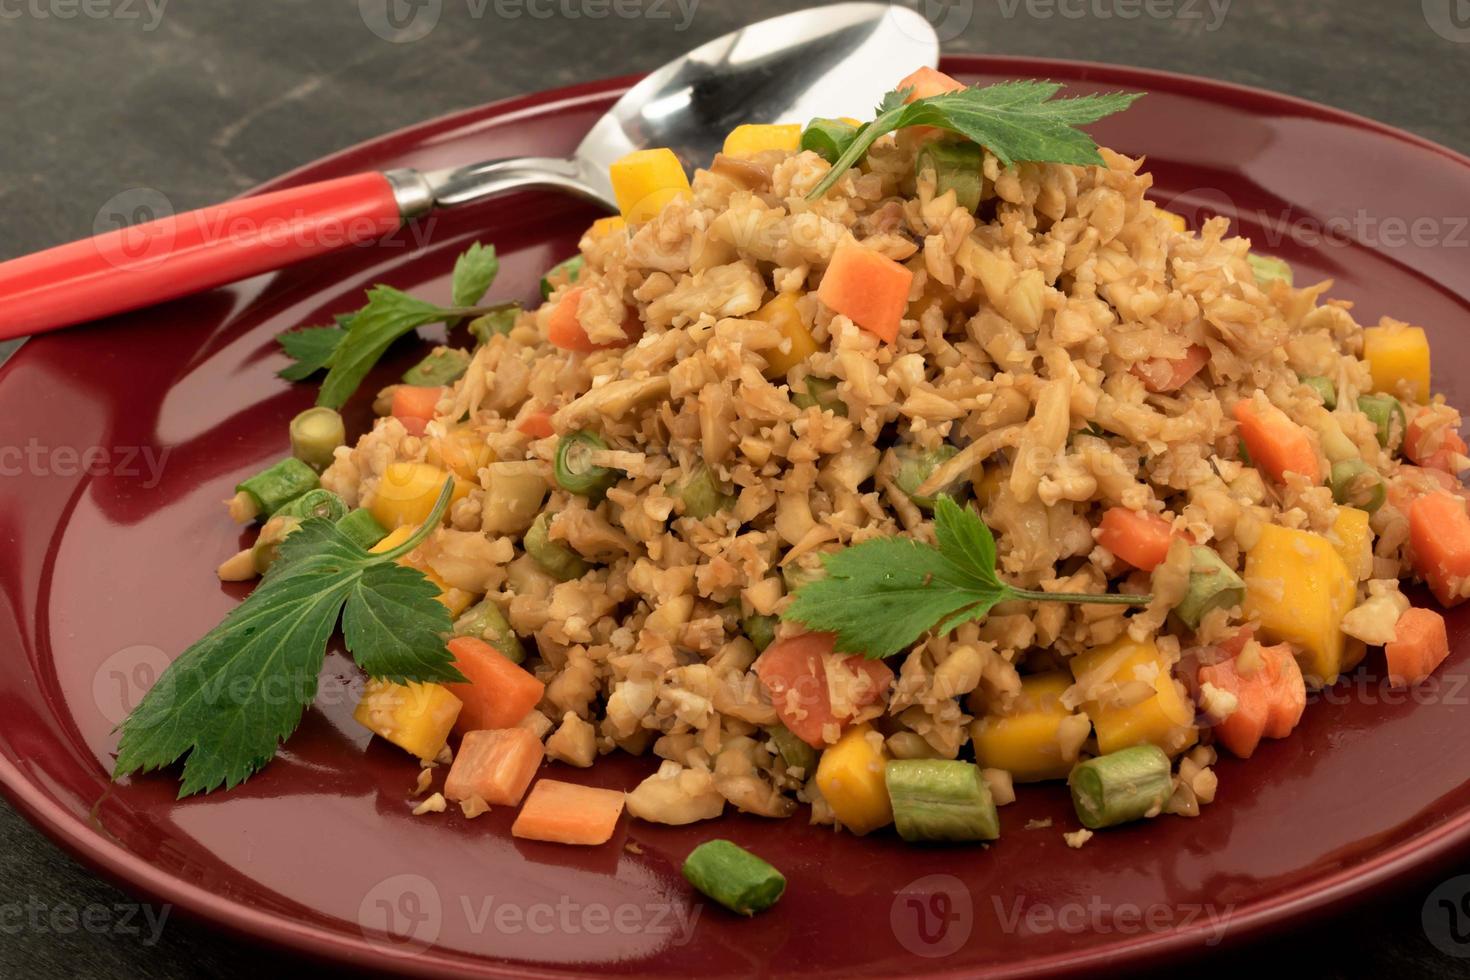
column 389, row 314
column 474, row 272
column 312, row 349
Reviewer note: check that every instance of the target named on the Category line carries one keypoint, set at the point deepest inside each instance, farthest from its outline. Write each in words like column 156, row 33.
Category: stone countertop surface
column 204, row 99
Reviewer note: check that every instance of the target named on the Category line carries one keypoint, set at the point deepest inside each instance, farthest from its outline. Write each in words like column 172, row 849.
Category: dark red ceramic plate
column 121, row 440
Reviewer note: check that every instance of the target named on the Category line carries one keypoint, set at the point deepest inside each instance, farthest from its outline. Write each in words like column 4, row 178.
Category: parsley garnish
column 230, row 699
column 1013, row 120
column 880, row 596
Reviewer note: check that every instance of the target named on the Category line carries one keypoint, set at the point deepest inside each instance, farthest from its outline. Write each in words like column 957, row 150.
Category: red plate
column 128, row 437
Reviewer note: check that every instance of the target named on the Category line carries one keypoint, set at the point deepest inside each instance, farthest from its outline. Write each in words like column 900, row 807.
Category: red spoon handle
column 187, row 253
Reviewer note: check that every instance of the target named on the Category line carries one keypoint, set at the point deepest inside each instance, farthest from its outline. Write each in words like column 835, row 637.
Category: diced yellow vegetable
column 750, row 139
column 1353, row 539
column 608, row 225
column 415, row 717
column 462, row 451
column 1398, row 357
column 1176, row 221
column 797, row 343
column 1138, row 700
column 393, row 539
column 645, row 180
column 986, row 481
column 407, row 492
column 453, row 599
column 1028, row 742
column 1299, row 589
column 850, row 777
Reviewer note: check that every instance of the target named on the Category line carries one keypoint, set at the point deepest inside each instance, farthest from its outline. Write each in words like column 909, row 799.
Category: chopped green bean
column 442, row 366
column 362, row 527
column 482, row 328
column 915, row 465
column 1385, row 412
column 561, row 274
column 828, row 138
column 1268, row 268
column 956, row 167
column 277, row 486
column 701, row 495
column 940, row 800
column 555, row 558
column 1356, row 484
column 1324, row 388
column 315, row 503
column 759, row 630
column 1212, row 585
column 485, row 621
column 574, row 471
column 1126, row 785
column 315, row 435
column 820, row 393
column 734, row 877
column 795, row 753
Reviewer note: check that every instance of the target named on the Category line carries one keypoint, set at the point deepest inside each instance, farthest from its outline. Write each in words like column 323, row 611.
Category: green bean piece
column 915, row 465
column 482, row 328
column 940, row 800
column 562, row 274
column 701, row 495
column 734, row 877
column 1387, row 414
column 315, row 503
column 1356, row 484
column 362, row 527
column 1126, row 785
column 267, row 547
column 1212, row 585
column 795, row 753
column 442, row 366
column 828, row 138
column 795, row 576
column 1325, row 390
column 820, row 393
column 1268, row 268
column 574, row 470
column 485, row 621
column 282, row 483
column 555, row 558
column 956, row 167
column 759, row 630
column 315, row 434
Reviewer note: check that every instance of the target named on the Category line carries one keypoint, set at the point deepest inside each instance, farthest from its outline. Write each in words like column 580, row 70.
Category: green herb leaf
column 881, row 596
column 312, row 349
column 474, row 271
column 1014, row 120
column 231, row 698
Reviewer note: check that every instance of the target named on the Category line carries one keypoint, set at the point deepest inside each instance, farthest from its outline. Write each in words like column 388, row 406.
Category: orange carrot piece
column 413, row 405
column 1269, row 699
column 496, row 766
column 1419, row 645
column 869, row 289
column 499, row 693
column 1288, row 698
column 927, row 82
column 1160, row 374
column 794, row 673
column 537, row 424
column 1433, row 446
column 566, row 813
column 1439, row 532
column 564, row 329
column 1139, row 538
column 1277, row 444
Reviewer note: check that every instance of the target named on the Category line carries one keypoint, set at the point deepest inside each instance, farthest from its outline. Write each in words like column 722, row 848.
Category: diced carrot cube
column 564, row 329
column 499, row 693
column 1162, row 374
column 1277, row 444
column 1439, row 531
column 536, row 424
column 794, row 673
column 496, row 766
column 413, row 405
column 869, row 289
column 1420, row 644
column 1137, row 537
column 1270, row 698
column 566, row 813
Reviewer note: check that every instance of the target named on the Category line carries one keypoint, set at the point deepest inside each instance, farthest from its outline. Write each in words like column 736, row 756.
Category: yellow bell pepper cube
column 850, row 777
column 1027, row 742
column 462, row 451
column 1176, row 221
column 407, row 492
column 1398, row 358
column 415, row 717
column 607, row 226
column 454, row 599
column 797, row 343
column 1353, row 538
column 1298, row 588
column 750, row 139
column 646, row 180
column 1164, row 718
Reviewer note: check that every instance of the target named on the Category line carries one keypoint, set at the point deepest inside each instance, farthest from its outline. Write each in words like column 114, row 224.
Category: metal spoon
column 826, row 61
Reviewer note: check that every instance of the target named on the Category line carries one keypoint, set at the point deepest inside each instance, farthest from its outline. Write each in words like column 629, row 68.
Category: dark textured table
column 205, row 98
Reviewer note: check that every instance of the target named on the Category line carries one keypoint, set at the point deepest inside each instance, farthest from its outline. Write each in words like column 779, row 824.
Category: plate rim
column 1314, row 898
